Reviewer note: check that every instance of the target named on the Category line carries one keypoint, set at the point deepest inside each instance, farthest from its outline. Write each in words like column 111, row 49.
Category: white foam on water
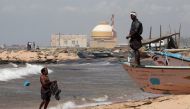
column 97, row 63
column 85, row 64
column 104, row 63
column 7, row 74
column 101, row 99
column 72, row 105
column 14, row 65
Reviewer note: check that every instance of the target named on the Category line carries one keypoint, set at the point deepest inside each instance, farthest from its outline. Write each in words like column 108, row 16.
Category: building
column 62, row 40
column 103, row 36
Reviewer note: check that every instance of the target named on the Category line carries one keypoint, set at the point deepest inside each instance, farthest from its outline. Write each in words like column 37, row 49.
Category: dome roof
column 103, row 27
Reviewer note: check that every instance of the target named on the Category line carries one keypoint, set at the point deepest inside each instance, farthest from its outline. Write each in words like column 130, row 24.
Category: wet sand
column 166, row 102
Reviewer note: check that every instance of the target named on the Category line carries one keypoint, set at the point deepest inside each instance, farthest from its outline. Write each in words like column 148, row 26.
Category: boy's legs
column 46, row 104
column 41, row 105
column 46, row 95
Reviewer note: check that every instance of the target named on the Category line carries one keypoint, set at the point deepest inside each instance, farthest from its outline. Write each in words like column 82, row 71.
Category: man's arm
column 135, row 27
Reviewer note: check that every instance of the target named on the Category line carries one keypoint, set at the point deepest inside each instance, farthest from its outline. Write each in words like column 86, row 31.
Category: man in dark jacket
column 135, row 36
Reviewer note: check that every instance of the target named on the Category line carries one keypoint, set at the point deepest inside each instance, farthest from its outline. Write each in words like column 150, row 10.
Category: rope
column 166, row 59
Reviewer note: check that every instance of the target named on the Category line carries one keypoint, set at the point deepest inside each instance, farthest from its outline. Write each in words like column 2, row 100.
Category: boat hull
column 160, row 59
column 164, row 80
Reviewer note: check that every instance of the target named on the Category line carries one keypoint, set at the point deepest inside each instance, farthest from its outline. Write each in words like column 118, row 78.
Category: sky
column 35, row 20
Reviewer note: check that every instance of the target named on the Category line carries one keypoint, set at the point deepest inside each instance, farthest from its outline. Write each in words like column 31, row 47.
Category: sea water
column 83, row 83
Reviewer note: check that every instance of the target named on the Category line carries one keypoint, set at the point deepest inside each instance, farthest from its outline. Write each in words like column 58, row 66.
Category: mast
column 112, row 20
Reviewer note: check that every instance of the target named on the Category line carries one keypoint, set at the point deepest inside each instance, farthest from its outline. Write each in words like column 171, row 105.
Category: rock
column 42, row 60
column 50, row 57
column 27, row 56
column 35, row 56
column 64, row 56
column 41, row 56
column 4, row 55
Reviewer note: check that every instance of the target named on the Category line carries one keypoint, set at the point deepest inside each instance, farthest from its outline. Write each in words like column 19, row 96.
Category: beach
column 85, row 83
column 166, row 102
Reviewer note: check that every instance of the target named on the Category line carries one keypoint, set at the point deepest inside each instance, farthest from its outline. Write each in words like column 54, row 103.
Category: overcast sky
column 35, row 20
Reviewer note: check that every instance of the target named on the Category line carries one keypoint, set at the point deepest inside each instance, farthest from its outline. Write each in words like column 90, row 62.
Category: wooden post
column 150, row 35
column 59, row 40
column 176, row 41
column 160, row 36
column 179, row 38
column 170, row 30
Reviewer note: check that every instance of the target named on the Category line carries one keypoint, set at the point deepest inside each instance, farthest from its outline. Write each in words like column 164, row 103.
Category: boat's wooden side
column 161, row 79
column 161, row 61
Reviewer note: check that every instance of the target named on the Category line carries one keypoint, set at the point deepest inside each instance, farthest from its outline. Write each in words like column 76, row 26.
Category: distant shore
column 36, row 56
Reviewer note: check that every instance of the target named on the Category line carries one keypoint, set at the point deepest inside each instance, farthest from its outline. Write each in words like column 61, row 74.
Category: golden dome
column 102, row 30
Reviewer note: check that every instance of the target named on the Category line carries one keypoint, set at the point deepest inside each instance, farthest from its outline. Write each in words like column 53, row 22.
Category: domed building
column 103, row 36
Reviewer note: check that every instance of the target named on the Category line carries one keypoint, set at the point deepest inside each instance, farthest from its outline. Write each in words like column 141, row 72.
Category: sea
column 85, row 82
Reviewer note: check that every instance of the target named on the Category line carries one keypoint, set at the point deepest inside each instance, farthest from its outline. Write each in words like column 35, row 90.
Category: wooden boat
column 103, row 54
column 83, row 54
column 161, row 79
column 177, row 50
column 170, row 59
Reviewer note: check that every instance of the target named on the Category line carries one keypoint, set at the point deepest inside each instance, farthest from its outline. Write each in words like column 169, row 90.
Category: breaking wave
column 7, row 74
column 72, row 105
column 97, row 63
column 14, row 65
column 101, row 99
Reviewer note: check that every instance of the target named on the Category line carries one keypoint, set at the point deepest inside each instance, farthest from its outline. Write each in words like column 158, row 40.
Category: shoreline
column 163, row 102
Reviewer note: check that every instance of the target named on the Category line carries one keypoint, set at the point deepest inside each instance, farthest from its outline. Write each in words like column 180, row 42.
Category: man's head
column 44, row 71
column 133, row 15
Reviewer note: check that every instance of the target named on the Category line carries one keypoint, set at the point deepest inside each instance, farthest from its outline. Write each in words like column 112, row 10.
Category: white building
column 62, row 40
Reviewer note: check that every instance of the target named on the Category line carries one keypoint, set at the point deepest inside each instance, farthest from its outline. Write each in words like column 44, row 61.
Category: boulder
column 4, row 55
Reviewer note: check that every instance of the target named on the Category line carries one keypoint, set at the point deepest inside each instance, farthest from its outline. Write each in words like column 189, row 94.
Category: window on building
column 65, row 42
column 73, row 42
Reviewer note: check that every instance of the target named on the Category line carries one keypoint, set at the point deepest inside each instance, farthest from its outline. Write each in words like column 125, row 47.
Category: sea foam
column 72, row 105
column 101, row 99
column 7, row 74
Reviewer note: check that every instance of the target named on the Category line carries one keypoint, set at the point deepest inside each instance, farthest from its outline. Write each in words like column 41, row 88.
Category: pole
column 160, row 35
column 179, row 36
column 170, row 30
column 176, row 41
column 150, row 35
column 59, row 40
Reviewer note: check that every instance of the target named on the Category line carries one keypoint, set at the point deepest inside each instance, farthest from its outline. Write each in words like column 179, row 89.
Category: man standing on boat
column 135, row 36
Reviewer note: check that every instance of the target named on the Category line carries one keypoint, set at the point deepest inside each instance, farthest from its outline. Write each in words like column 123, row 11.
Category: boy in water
column 45, row 88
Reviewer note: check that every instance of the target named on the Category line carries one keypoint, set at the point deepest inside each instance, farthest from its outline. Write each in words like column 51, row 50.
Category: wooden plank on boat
column 177, row 50
column 168, row 67
column 161, row 67
column 148, row 41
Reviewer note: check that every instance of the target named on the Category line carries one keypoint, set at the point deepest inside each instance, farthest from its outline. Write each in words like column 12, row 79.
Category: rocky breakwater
column 40, row 56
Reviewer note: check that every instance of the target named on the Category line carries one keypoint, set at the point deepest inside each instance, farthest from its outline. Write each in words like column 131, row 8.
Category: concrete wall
column 61, row 40
column 102, row 43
